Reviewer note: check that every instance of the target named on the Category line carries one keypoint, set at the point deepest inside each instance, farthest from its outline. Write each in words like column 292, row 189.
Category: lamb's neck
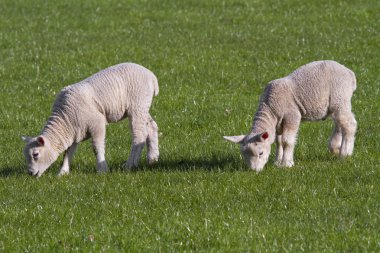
column 59, row 133
column 265, row 121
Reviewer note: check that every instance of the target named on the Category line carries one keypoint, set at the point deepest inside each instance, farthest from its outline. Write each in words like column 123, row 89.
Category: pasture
column 212, row 59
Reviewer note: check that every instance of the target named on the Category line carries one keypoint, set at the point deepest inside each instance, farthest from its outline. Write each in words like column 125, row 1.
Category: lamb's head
column 255, row 149
column 38, row 154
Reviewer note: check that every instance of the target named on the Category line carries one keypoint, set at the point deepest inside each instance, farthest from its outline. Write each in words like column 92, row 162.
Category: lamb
column 312, row 92
column 82, row 110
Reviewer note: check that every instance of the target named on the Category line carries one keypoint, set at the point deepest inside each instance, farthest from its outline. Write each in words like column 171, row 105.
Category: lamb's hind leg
column 152, row 141
column 348, row 125
column 139, row 134
column 335, row 141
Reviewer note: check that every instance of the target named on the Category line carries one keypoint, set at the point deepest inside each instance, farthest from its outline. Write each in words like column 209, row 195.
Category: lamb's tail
column 155, row 86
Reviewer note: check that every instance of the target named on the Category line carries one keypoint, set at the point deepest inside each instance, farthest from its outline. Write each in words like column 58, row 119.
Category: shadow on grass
column 186, row 164
column 197, row 164
column 317, row 157
column 213, row 163
column 216, row 162
column 10, row 172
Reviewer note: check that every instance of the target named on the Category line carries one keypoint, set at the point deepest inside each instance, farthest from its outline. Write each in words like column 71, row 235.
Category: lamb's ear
column 40, row 140
column 235, row 139
column 26, row 138
column 263, row 136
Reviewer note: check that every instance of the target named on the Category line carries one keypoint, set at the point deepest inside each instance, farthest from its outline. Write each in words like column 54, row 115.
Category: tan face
column 254, row 150
column 38, row 155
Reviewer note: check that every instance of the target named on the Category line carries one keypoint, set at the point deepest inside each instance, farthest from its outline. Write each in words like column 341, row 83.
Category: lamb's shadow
column 317, row 157
column 213, row 163
column 185, row 164
column 197, row 164
column 12, row 171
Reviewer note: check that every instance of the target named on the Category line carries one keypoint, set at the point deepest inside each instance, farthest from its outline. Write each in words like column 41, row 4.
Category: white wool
column 312, row 92
column 82, row 110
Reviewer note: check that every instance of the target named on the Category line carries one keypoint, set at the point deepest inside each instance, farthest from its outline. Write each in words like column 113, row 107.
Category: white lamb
column 82, row 110
column 312, row 92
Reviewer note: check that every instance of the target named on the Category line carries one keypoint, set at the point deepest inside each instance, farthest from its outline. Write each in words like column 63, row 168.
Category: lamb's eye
column 261, row 153
column 35, row 155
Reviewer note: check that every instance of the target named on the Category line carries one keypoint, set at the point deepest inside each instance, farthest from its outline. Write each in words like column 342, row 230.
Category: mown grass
column 212, row 59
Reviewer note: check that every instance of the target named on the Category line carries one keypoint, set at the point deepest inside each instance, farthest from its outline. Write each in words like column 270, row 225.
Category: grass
column 213, row 59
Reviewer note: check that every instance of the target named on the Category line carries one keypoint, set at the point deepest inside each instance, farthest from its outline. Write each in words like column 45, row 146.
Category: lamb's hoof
column 153, row 160
column 63, row 173
column 152, row 156
column 129, row 165
column 345, row 154
column 335, row 151
column 286, row 164
column 277, row 164
column 258, row 170
column 102, row 167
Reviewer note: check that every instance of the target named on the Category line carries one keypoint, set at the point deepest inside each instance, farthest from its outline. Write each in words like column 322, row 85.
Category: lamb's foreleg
column 289, row 141
column 152, row 141
column 279, row 150
column 140, row 133
column 65, row 169
column 288, row 138
column 98, row 133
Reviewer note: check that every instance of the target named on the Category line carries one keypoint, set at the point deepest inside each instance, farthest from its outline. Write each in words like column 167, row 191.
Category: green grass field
column 213, row 59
